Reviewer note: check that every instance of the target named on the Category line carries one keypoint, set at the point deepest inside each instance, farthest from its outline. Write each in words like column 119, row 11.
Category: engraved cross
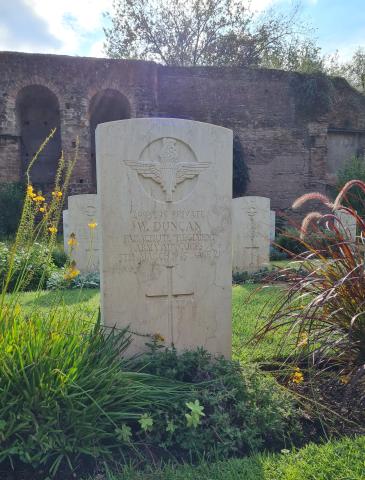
column 171, row 293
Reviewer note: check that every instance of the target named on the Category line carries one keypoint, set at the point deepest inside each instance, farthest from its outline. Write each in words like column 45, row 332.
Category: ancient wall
column 295, row 129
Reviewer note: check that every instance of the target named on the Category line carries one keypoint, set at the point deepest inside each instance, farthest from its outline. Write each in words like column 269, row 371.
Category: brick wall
column 285, row 146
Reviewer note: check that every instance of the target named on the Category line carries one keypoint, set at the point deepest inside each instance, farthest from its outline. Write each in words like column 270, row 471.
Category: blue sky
column 75, row 27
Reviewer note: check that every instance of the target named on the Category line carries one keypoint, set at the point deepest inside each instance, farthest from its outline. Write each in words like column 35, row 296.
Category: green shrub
column 276, row 254
column 59, row 256
column 11, row 204
column 353, row 169
column 83, row 280
column 244, row 409
column 31, row 268
column 239, row 278
column 289, row 242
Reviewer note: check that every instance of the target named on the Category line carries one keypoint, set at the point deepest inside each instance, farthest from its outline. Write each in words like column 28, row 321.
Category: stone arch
column 106, row 106
column 38, row 111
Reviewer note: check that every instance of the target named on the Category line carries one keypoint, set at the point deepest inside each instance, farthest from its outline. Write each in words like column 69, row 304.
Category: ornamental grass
column 322, row 312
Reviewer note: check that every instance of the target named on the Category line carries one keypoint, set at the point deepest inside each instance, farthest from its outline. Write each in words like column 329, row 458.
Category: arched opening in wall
column 38, row 112
column 106, row 106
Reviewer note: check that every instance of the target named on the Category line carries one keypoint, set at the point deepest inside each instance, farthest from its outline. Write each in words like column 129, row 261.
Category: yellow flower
column 303, row 340
column 157, row 337
column 42, row 209
column 92, row 225
column 71, row 272
column 72, row 240
column 52, row 229
column 297, row 376
column 30, row 191
column 344, row 379
column 39, row 198
column 57, row 194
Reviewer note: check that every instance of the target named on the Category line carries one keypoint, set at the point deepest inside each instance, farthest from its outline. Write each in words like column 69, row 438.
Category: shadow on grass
column 63, row 297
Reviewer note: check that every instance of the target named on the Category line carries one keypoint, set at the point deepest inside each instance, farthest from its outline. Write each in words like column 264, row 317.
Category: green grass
column 344, row 460
column 250, row 307
column 341, row 460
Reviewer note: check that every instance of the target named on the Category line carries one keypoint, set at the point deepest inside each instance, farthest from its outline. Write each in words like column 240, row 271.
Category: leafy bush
column 243, row 409
column 353, row 169
column 84, row 280
column 31, row 268
column 239, row 278
column 276, row 254
column 59, row 256
column 289, row 243
column 11, row 204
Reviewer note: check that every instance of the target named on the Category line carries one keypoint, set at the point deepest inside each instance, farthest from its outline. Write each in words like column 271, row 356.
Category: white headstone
column 272, row 225
column 66, row 233
column 251, row 233
column 165, row 193
column 82, row 211
column 347, row 223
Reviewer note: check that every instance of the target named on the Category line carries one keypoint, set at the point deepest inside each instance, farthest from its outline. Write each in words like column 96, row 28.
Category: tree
column 198, row 32
column 356, row 69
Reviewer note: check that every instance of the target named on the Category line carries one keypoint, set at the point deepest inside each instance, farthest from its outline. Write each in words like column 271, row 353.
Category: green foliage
column 59, row 256
column 353, row 169
column 197, row 32
column 31, row 268
column 336, row 460
column 11, row 204
column 313, row 94
column 66, row 393
column 232, row 410
column 277, row 254
column 289, row 242
column 83, row 280
column 241, row 176
column 239, row 278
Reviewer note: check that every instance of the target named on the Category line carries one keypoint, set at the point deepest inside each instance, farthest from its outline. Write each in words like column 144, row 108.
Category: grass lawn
column 341, row 460
column 250, row 306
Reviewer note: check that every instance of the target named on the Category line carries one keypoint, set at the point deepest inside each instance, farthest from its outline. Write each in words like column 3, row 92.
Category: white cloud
column 72, row 21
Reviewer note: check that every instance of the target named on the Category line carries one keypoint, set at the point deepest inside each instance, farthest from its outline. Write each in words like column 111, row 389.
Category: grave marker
column 164, row 187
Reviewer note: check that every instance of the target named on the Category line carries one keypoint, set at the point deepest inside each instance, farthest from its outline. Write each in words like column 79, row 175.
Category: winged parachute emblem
column 168, row 172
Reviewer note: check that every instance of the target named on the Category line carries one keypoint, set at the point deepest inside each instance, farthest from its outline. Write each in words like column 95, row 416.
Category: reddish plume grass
column 326, row 303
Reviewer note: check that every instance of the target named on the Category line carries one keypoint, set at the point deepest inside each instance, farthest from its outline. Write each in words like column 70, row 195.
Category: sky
column 75, row 27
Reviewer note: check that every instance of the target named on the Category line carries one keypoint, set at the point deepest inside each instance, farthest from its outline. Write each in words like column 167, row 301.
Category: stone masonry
column 293, row 139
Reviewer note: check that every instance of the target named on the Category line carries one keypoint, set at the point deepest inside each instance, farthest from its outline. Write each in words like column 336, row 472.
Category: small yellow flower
column 39, row 198
column 92, row 225
column 157, row 337
column 42, row 209
column 71, row 272
column 72, row 240
column 297, row 376
column 52, row 229
column 57, row 194
column 344, row 379
column 303, row 340
column 30, row 191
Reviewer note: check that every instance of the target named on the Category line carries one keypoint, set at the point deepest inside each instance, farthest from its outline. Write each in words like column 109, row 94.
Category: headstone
column 165, row 193
column 251, row 233
column 347, row 223
column 272, row 225
column 82, row 212
column 66, row 232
